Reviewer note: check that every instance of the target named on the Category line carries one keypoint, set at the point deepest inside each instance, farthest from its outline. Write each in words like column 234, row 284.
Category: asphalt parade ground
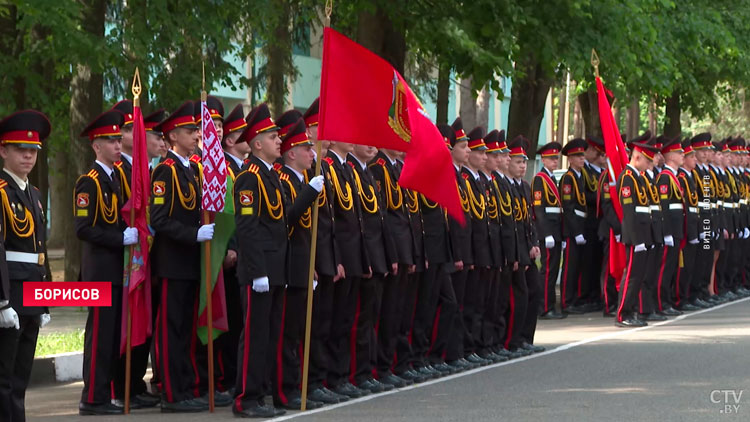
column 695, row 367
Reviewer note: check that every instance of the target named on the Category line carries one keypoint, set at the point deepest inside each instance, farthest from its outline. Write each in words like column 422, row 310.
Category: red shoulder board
column 465, row 175
column 493, row 177
column 3, row 184
column 195, row 158
column 381, row 162
column 253, row 168
column 277, row 167
column 283, row 176
column 627, row 171
column 350, row 164
column 247, row 160
column 168, row 162
column 329, row 160
column 118, row 163
column 93, row 174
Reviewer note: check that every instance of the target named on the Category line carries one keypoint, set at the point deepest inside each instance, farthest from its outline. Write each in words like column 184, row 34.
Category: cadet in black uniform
column 264, row 215
column 702, row 146
column 125, row 164
column 593, row 167
column 573, row 195
column 103, row 233
column 548, row 217
column 297, row 156
column 609, row 221
column 175, row 218
column 637, row 235
column 685, row 281
column 22, row 256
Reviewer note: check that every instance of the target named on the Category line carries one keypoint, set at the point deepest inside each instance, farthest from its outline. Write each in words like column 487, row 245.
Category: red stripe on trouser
column 512, row 307
column 353, row 341
column 606, row 283
column 677, row 283
column 435, row 329
column 661, row 276
column 546, row 282
column 565, row 275
column 245, row 353
column 157, row 336
column 94, row 344
column 625, row 287
column 165, row 341
column 220, row 378
column 193, row 346
column 279, row 357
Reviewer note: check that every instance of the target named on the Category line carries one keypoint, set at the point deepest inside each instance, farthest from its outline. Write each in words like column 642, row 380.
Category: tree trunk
column 468, row 106
column 528, row 98
column 279, row 56
column 86, row 103
column 578, row 123
column 560, row 135
column 633, row 119
column 652, row 116
column 483, row 108
column 443, row 94
column 376, row 32
column 590, row 111
column 672, row 125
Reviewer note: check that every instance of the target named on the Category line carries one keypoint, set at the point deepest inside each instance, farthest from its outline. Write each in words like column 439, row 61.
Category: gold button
column 30, row 134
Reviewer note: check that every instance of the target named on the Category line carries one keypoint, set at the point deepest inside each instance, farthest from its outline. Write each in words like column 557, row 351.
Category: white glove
column 693, row 242
column 260, row 285
column 564, row 244
column 43, row 320
column 747, row 233
column 315, row 284
column 9, row 319
column 549, row 242
column 580, row 240
column 317, row 182
column 669, row 240
column 702, row 235
column 206, row 232
column 617, row 237
column 130, row 236
column 640, row 248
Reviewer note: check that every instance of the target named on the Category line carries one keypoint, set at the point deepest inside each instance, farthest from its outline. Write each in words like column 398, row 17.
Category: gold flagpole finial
column 329, row 11
column 136, row 88
column 595, row 62
column 204, row 94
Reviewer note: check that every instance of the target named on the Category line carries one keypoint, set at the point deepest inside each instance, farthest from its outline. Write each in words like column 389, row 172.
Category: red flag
column 364, row 100
column 137, row 278
column 617, row 158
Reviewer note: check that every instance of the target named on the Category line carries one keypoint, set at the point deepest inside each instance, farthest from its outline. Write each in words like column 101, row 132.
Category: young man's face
column 343, row 147
column 492, row 163
column 312, row 133
column 576, row 161
column 477, row 159
column 301, row 157
column 689, row 162
column 551, row 163
column 503, row 161
column 127, row 137
column 18, row 160
column 154, row 144
column 676, row 157
column 219, row 125
column 517, row 167
column 185, row 139
column 268, row 144
column 460, row 152
column 107, row 149
column 365, row 152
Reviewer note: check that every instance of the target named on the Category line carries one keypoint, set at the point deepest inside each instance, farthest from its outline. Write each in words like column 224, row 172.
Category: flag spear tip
column 595, row 62
column 136, row 88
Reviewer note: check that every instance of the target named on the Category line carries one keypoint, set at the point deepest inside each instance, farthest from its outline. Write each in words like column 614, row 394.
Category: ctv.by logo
column 730, row 400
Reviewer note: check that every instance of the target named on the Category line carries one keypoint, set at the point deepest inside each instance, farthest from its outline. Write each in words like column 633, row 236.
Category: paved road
column 687, row 369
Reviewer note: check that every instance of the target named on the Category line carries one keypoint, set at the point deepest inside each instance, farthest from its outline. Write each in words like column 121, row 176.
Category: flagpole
column 313, row 251
column 136, row 90
column 209, row 297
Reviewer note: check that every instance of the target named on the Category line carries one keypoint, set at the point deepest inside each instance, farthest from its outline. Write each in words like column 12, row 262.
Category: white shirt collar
column 363, row 165
column 670, row 169
column 268, row 166
column 392, row 160
column 549, row 173
column 21, row 183
column 236, row 159
column 650, row 172
column 578, row 173
column 595, row 167
column 299, row 175
column 106, row 168
column 341, row 160
column 184, row 160
column 473, row 173
column 127, row 157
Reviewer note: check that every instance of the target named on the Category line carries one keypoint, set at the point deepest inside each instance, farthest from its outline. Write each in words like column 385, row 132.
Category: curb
column 62, row 367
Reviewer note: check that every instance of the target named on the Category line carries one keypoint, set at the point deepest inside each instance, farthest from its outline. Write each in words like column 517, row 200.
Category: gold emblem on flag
column 398, row 115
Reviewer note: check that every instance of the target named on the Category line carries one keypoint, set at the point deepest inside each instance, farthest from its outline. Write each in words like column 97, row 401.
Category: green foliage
column 59, row 342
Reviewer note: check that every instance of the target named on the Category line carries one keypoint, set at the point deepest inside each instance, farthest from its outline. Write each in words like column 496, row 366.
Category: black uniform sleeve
column 247, row 218
column 303, row 201
column 161, row 204
column 608, row 209
column 85, row 212
column 4, row 278
column 571, row 221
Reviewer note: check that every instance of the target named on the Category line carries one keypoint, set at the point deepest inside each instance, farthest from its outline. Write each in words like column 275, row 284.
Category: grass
column 53, row 343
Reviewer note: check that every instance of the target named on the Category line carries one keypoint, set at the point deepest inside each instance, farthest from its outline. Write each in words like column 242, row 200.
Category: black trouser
column 648, row 287
column 430, row 286
column 455, row 342
column 477, row 285
column 321, row 332
column 635, row 271
column 288, row 357
column 101, row 350
column 592, row 268
column 17, row 349
column 404, row 352
column 609, row 284
column 669, row 261
column 517, row 307
column 226, row 345
column 502, row 304
column 395, row 290
column 174, row 337
column 263, row 312
column 550, row 268
column 345, row 293
column 685, row 275
column 364, row 341
column 528, row 329
column 704, row 265
column 491, row 318
column 573, row 283
column 445, row 315
column 733, row 277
